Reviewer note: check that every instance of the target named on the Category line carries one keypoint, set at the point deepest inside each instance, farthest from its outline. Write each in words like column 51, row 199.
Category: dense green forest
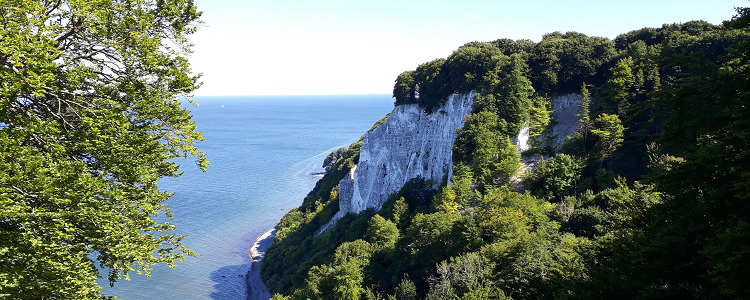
column 649, row 199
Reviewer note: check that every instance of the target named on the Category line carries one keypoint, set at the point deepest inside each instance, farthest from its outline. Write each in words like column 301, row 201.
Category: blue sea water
column 261, row 151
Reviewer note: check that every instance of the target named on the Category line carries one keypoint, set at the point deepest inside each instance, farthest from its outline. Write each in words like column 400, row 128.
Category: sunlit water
column 261, row 151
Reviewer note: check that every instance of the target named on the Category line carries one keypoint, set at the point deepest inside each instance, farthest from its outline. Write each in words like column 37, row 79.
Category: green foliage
column 472, row 67
column 562, row 62
column 468, row 276
column 405, row 89
column 428, row 239
column 557, row 177
column 343, row 278
column 287, row 266
column 431, row 86
column 510, row 47
column 90, row 120
column 325, row 193
column 331, row 159
column 381, row 232
column 608, row 130
column 296, row 248
column 462, row 186
column 288, row 262
column 406, row 290
column 515, row 92
column 506, row 215
column 539, row 117
column 584, row 117
column 280, row 297
column 446, row 200
column 467, row 67
column 621, row 85
column 400, row 211
column 482, row 146
column 377, row 124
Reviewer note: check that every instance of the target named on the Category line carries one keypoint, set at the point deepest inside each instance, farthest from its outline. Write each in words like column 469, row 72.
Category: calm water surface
column 261, row 150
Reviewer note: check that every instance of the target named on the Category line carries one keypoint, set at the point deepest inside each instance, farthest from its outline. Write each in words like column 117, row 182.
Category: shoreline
column 257, row 250
column 256, row 289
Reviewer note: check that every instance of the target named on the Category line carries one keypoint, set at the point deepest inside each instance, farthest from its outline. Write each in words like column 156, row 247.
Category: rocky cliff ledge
column 411, row 143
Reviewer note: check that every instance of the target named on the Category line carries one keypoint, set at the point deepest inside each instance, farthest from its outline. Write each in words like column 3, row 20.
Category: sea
column 262, row 151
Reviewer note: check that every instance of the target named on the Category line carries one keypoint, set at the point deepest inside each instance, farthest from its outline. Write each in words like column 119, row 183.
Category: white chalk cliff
column 565, row 110
column 411, row 143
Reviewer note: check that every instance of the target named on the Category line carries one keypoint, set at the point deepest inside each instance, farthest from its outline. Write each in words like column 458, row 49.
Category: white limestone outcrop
column 565, row 110
column 411, row 143
column 346, row 190
column 522, row 140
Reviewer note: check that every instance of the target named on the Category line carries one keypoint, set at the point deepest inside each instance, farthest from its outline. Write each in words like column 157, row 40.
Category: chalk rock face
column 346, row 188
column 522, row 140
column 565, row 110
column 411, row 143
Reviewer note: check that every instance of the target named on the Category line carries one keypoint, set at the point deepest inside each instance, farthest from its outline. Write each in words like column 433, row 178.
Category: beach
column 256, row 289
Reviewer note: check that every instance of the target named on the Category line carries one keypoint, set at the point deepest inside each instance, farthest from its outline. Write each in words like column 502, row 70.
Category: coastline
column 256, row 289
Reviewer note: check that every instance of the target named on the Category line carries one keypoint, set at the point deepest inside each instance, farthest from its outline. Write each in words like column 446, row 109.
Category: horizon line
column 287, row 95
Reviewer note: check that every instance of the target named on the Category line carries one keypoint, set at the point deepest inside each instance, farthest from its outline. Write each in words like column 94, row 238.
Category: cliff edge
column 411, row 143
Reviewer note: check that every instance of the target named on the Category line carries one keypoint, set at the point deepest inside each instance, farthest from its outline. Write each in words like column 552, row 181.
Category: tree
column 90, row 120
column 382, row 232
column 460, row 276
column 609, row 132
column 343, row 278
column 539, row 117
column 561, row 62
column 558, row 176
column 429, row 241
column 431, row 85
column 482, row 145
column 683, row 234
column 621, row 84
column 445, row 201
column 406, row 290
column 516, row 93
column 330, row 161
column 584, row 117
column 467, row 66
column 405, row 88
column 505, row 215
column 400, row 211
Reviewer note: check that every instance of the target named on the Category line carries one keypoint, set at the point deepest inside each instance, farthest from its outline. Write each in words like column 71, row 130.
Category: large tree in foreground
column 90, row 119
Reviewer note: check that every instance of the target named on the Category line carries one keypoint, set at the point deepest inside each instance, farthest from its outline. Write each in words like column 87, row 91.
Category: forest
column 649, row 198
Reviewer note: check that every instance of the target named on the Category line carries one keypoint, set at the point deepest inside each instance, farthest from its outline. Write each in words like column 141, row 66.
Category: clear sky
column 287, row 47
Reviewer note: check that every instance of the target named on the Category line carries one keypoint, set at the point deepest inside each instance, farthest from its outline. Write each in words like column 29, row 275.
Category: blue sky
column 285, row 47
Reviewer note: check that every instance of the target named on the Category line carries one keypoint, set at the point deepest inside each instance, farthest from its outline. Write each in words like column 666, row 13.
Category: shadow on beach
column 229, row 282
column 243, row 281
column 256, row 289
